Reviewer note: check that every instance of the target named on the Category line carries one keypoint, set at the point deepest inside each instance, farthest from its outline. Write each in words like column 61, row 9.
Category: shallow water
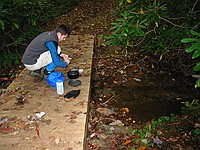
column 148, row 107
column 151, row 101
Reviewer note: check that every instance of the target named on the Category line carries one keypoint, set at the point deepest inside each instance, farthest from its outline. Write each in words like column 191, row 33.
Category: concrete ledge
column 64, row 124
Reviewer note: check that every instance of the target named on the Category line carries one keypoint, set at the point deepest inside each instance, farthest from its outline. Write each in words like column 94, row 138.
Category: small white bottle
column 60, row 87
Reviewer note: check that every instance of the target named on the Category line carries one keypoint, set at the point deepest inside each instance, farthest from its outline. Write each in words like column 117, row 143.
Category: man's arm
column 55, row 57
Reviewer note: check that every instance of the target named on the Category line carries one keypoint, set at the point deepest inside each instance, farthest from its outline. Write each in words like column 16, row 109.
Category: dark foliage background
column 21, row 20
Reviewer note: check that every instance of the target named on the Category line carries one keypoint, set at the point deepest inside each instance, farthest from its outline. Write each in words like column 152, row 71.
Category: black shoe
column 73, row 93
column 46, row 72
column 37, row 74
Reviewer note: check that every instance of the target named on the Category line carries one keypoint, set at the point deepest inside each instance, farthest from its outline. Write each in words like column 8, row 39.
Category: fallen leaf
column 121, row 71
column 142, row 148
column 103, row 73
column 92, row 135
column 126, row 143
column 175, row 123
column 172, row 139
column 135, row 67
column 115, row 82
column 37, row 130
column 129, row 1
column 4, row 78
column 57, row 140
column 197, row 125
column 72, row 121
column 6, row 130
column 141, row 11
column 15, row 133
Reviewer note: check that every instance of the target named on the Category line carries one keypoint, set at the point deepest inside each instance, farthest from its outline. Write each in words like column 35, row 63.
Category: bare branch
column 170, row 22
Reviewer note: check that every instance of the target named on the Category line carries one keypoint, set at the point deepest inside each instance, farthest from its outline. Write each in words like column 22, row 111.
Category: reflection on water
column 151, row 102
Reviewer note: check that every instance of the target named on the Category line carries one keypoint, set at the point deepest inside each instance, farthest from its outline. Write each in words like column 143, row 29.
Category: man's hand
column 65, row 58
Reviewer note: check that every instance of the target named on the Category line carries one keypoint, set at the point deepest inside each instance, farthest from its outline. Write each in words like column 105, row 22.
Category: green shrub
column 9, row 59
column 195, row 49
column 157, row 26
column 135, row 23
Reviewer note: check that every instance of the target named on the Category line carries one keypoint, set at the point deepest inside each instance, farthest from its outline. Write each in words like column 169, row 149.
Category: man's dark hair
column 63, row 29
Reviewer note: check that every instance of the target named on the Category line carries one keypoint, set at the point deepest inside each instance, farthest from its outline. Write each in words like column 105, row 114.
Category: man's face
column 62, row 37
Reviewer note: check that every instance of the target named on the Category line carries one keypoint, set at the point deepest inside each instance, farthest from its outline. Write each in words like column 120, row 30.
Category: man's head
column 62, row 32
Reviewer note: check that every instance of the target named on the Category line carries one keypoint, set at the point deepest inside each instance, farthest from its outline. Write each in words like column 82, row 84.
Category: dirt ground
column 109, row 72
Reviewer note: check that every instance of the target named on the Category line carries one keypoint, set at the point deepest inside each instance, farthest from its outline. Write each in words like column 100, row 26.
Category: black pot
column 73, row 74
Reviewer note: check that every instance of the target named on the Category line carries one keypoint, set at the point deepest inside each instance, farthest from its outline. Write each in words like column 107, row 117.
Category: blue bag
column 54, row 77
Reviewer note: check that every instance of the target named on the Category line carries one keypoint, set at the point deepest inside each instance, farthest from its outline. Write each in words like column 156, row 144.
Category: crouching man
column 43, row 51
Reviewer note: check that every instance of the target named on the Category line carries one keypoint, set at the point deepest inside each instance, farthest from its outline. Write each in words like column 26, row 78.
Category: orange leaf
column 142, row 148
column 135, row 67
column 126, row 143
column 3, row 78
